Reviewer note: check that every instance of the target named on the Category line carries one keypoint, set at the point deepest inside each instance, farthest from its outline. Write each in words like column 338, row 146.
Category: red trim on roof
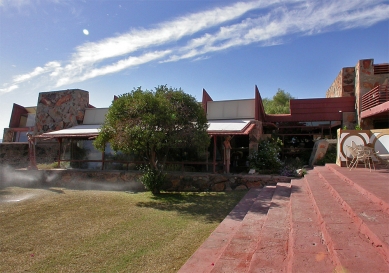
column 206, row 98
column 17, row 112
column 259, row 109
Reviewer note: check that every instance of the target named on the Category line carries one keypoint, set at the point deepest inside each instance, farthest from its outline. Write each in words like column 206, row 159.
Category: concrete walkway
column 332, row 220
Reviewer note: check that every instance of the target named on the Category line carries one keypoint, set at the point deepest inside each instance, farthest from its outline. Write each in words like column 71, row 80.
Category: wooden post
column 59, row 152
column 214, row 154
column 103, row 159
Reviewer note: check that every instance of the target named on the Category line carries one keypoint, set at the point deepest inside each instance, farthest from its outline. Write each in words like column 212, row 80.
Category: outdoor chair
column 360, row 153
column 383, row 159
column 351, row 152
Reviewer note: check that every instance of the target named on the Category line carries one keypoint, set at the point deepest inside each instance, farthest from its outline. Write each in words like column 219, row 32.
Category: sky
column 110, row 47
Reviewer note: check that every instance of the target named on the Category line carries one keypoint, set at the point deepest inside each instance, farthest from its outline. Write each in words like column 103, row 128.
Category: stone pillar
column 343, row 85
column 60, row 110
column 364, row 82
column 8, row 135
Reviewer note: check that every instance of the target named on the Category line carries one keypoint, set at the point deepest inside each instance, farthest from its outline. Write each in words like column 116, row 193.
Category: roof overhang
column 79, row 131
column 230, row 127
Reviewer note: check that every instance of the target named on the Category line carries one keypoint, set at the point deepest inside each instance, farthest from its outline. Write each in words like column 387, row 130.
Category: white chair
column 362, row 154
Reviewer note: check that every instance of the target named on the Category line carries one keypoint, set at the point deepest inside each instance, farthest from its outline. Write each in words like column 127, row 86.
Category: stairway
column 332, row 220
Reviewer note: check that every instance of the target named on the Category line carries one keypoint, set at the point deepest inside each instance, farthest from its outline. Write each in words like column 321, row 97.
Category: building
column 358, row 96
column 368, row 84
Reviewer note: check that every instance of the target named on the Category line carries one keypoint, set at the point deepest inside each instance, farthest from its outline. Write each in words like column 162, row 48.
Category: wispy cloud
column 196, row 36
column 9, row 88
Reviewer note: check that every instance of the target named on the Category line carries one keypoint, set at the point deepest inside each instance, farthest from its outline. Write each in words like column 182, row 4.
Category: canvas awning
column 230, row 127
column 75, row 131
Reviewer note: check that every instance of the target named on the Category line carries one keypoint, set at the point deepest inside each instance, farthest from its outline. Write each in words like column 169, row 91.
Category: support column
column 214, row 154
column 31, row 152
column 59, row 152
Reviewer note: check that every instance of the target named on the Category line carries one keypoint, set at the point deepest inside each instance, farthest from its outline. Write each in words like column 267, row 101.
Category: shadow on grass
column 214, row 207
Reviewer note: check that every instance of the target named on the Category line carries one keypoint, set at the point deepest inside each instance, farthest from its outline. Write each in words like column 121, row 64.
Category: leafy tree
column 279, row 104
column 152, row 122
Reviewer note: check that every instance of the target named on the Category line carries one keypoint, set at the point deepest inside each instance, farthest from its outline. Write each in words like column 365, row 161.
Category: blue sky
column 227, row 47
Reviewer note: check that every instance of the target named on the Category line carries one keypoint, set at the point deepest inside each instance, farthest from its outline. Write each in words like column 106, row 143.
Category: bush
column 267, row 159
column 153, row 180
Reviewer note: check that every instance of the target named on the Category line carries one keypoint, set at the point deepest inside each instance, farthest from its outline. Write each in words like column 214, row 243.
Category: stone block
column 218, row 187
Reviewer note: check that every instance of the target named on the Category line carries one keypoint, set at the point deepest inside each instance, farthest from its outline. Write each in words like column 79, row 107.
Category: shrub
column 153, row 180
column 266, row 159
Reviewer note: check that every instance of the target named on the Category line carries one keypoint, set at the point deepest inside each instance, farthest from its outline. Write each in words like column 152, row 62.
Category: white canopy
column 75, row 131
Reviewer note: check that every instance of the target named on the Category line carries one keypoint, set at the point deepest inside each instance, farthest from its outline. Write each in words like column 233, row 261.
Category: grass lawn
column 62, row 230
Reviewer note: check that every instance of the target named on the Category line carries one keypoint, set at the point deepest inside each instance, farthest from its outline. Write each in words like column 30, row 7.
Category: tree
column 279, row 104
column 152, row 122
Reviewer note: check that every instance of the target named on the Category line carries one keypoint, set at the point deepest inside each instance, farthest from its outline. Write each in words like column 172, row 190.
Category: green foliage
column 279, row 104
column 267, row 159
column 151, row 123
column 153, row 180
column 357, row 127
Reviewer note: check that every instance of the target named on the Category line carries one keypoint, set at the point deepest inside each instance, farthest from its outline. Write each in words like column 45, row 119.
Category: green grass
column 61, row 230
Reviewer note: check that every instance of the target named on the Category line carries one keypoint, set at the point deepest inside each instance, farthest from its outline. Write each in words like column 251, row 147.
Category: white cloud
column 9, row 89
column 116, row 67
column 37, row 72
column 20, row 3
column 263, row 22
column 304, row 19
column 163, row 33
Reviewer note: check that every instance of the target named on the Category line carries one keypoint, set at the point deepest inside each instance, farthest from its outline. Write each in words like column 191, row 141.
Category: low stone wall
column 15, row 154
column 129, row 180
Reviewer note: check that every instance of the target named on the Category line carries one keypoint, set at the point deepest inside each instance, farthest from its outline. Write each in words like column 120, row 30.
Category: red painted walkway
column 332, row 220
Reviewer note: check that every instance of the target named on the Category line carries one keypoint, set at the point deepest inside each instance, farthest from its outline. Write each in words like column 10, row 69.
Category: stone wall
column 15, row 154
column 129, row 180
column 8, row 135
column 46, row 152
column 60, row 109
column 343, row 85
column 349, row 120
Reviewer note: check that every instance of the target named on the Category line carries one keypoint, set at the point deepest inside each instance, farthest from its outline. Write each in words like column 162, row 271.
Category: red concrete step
column 307, row 247
column 350, row 250
column 237, row 255
column 369, row 217
column 374, row 184
column 272, row 250
column 206, row 256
